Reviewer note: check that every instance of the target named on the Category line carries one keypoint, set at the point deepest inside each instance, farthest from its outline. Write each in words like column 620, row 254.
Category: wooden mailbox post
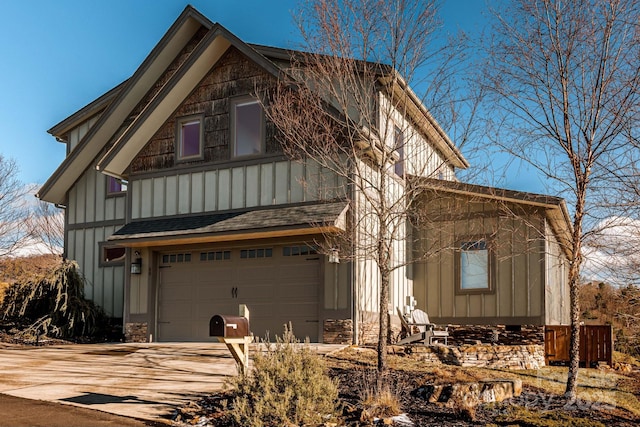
column 235, row 333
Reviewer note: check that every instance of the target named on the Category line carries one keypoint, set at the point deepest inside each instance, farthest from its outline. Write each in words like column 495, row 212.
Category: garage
column 279, row 284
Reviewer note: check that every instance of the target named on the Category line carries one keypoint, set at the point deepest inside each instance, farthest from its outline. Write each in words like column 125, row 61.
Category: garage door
column 279, row 285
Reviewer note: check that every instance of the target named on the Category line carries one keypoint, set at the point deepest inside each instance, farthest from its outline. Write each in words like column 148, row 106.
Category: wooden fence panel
column 596, row 344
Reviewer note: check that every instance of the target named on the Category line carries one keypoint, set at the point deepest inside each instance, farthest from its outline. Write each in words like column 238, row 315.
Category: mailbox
column 225, row 326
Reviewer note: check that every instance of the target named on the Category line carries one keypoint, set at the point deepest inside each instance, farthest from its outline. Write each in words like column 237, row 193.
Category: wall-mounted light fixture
column 136, row 264
column 334, row 256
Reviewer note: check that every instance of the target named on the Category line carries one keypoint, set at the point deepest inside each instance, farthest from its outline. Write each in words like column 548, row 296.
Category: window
column 474, row 266
column 256, row 253
column 247, row 127
column 215, row 256
column 399, row 147
column 299, row 250
column 115, row 186
column 111, row 255
column 174, row 258
column 189, row 138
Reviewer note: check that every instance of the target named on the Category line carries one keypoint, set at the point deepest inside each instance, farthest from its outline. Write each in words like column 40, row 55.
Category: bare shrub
column 288, row 386
column 53, row 305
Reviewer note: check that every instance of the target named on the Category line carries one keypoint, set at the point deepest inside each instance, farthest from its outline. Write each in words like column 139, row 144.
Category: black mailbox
column 225, row 326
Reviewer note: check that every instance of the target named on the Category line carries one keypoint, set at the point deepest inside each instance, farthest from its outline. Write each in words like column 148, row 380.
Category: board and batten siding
column 557, row 303
column 227, row 188
column 421, row 158
column 77, row 133
column 91, row 217
column 519, row 265
column 103, row 285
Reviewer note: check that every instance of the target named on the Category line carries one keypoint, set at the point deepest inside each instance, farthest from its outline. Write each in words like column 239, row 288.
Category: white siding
column 421, row 158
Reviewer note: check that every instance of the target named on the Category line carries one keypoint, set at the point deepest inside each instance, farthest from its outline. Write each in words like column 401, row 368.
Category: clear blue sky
column 57, row 56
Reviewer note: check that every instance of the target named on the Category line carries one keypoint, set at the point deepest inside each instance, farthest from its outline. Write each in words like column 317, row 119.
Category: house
column 179, row 204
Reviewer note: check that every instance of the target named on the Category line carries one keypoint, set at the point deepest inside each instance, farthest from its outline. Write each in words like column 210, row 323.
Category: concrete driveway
column 135, row 380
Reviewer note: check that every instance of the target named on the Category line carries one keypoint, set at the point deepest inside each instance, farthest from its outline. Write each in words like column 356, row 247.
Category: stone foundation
column 496, row 334
column 136, row 332
column 338, row 331
column 482, row 356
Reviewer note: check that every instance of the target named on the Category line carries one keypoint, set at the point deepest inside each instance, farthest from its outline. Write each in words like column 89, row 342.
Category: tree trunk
column 384, row 322
column 571, row 391
column 574, row 347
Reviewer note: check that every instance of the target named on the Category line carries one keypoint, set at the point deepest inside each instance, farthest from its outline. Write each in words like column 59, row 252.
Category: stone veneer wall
column 495, row 334
column 337, row 331
column 482, row 356
column 136, row 332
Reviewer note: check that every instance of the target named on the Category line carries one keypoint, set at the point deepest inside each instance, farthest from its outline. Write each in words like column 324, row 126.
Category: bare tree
column 14, row 213
column 46, row 227
column 346, row 109
column 563, row 78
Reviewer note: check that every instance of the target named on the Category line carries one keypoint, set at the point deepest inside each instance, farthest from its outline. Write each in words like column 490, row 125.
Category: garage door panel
column 276, row 289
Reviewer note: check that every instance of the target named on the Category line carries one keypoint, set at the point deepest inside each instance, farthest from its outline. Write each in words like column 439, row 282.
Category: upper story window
column 247, row 127
column 115, row 186
column 398, row 136
column 189, row 138
column 475, row 266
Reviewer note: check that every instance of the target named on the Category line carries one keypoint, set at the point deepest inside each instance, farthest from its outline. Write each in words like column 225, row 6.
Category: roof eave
column 449, row 149
column 55, row 188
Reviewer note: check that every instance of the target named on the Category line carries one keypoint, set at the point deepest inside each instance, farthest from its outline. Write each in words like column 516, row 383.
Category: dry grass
column 600, row 387
column 3, row 289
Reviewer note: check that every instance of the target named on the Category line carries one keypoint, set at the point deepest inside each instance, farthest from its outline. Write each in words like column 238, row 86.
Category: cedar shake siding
column 234, row 75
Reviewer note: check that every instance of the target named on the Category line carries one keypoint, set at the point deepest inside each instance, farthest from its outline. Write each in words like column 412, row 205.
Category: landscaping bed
column 606, row 397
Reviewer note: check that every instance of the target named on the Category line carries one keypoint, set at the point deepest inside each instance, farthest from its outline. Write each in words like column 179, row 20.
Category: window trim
column 178, row 138
column 114, row 263
column 122, row 183
column 233, row 103
column 399, row 163
column 490, row 289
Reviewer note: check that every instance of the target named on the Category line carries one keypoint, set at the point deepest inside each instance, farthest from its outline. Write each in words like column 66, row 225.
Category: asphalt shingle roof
column 310, row 215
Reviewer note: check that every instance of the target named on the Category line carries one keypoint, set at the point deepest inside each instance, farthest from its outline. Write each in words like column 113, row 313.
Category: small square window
column 111, row 255
column 189, row 138
column 116, row 186
column 247, row 127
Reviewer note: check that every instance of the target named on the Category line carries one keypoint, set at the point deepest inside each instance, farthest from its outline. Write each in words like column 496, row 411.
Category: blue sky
column 57, row 56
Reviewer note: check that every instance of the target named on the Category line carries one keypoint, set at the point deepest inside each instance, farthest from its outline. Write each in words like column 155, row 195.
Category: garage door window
column 256, row 253
column 299, row 250
column 215, row 256
column 174, row 258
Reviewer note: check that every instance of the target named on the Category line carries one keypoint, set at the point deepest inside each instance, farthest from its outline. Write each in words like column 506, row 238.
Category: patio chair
column 428, row 333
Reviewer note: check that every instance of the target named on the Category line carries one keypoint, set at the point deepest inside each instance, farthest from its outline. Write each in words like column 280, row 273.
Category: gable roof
column 173, row 93
column 132, row 91
column 116, row 106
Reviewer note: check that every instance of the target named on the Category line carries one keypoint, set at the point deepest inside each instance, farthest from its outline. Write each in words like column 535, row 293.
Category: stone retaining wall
column 482, row 356
column 496, row 334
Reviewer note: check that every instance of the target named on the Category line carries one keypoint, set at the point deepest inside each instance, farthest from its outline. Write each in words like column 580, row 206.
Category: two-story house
column 180, row 204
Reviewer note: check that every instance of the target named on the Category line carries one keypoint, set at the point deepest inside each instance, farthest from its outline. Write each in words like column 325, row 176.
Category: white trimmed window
column 474, row 266
column 247, row 127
